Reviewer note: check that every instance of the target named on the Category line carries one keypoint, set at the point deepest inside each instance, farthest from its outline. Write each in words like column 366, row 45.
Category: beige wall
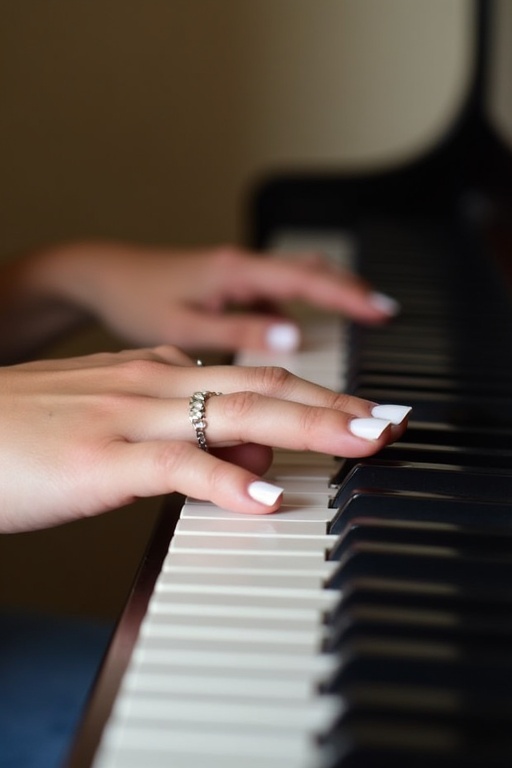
column 150, row 119
column 500, row 92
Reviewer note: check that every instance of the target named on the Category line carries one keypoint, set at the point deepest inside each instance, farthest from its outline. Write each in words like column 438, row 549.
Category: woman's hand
column 84, row 435
column 153, row 295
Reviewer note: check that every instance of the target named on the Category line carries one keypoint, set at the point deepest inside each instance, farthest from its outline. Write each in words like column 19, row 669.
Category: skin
column 150, row 296
column 89, row 434
column 81, row 436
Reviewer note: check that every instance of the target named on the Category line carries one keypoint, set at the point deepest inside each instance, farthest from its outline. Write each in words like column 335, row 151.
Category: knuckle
column 137, row 370
column 107, row 408
column 173, row 456
column 219, row 477
column 238, row 405
column 341, row 402
column 313, row 421
column 274, row 379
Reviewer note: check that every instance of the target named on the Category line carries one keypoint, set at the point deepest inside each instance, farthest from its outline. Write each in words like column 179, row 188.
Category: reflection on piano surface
column 368, row 623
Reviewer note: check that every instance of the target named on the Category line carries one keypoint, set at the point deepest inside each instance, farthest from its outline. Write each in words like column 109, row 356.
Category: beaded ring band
column 197, row 416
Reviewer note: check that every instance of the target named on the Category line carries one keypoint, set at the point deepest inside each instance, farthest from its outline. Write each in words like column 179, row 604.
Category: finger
column 146, row 378
column 272, row 381
column 255, row 458
column 247, row 417
column 155, row 468
column 162, row 354
column 321, row 285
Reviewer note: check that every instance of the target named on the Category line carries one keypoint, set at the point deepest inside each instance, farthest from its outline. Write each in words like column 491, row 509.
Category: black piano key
column 500, row 386
column 470, row 436
column 417, row 565
column 396, row 692
column 448, row 408
column 422, row 508
column 472, row 484
column 401, row 595
column 435, row 666
column 405, row 450
column 483, row 633
column 463, row 541
column 417, row 365
column 380, row 742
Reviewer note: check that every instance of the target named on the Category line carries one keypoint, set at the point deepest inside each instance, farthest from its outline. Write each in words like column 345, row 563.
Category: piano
column 369, row 622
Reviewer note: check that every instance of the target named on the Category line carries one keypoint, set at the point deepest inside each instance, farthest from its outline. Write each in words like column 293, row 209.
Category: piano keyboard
column 368, row 622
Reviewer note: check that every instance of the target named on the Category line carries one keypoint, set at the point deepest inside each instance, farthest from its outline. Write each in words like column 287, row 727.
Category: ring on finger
column 197, row 416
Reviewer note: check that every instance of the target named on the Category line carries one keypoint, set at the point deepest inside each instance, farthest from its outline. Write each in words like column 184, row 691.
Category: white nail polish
column 385, row 303
column 265, row 493
column 369, row 429
column 393, row 413
column 283, row 337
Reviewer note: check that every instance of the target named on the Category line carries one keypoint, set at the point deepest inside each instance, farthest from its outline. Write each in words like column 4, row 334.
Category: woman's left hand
column 154, row 295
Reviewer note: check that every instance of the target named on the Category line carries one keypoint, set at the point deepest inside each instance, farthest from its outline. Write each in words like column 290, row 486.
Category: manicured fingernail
column 385, row 303
column 265, row 493
column 283, row 337
column 370, row 429
column 393, row 413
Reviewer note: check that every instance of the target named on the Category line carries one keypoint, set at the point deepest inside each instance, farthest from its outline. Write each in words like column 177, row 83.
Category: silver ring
column 197, row 416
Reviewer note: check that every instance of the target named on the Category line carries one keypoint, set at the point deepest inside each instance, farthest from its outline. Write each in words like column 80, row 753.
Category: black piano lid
column 467, row 173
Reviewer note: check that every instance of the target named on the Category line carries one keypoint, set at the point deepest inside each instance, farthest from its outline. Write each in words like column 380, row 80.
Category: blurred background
column 152, row 121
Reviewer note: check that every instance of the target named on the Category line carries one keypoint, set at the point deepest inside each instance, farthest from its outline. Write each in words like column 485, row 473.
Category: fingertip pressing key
column 264, row 493
column 368, row 428
column 393, row 413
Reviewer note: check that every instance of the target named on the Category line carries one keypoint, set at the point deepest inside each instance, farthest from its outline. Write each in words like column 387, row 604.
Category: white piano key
column 286, row 472
column 313, row 546
column 304, row 716
column 238, row 645
column 239, row 596
column 266, row 525
column 246, row 580
column 210, row 619
column 285, row 512
column 301, row 485
column 197, row 677
column 167, row 683
column 314, row 357
column 290, row 498
column 204, row 741
column 178, row 610
column 240, row 564
column 310, row 638
column 155, row 650
column 133, row 758
column 336, row 245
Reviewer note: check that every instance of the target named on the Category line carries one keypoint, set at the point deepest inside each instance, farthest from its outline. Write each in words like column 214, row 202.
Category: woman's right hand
column 85, row 435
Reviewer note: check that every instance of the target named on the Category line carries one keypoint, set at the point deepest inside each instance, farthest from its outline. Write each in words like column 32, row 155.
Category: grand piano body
column 408, row 661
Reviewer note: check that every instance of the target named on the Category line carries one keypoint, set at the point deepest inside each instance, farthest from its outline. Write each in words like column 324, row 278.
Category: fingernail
column 265, row 493
column 370, row 429
column 283, row 337
column 385, row 303
column 393, row 413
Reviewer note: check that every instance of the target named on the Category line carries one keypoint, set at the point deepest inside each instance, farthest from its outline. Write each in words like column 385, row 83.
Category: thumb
column 140, row 470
